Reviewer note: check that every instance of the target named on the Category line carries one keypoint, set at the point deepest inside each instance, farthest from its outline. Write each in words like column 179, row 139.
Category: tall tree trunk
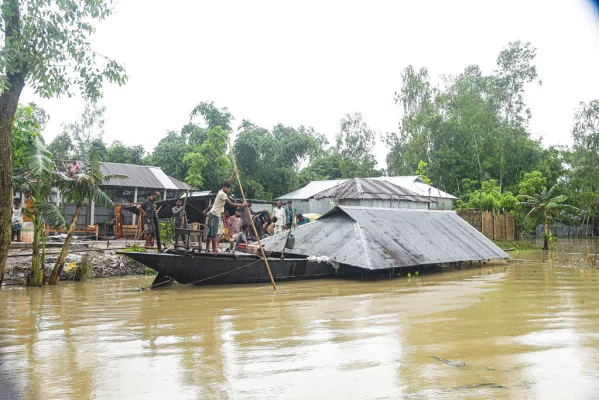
column 35, row 277
column 545, row 233
column 9, row 99
column 58, row 267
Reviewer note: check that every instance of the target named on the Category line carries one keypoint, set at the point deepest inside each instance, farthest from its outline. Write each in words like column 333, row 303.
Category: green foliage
column 421, row 171
column 167, row 231
column 268, row 161
column 38, row 181
column 474, row 126
column 84, row 270
column 119, row 153
column 47, row 44
column 546, row 204
column 28, row 123
column 208, row 164
column 62, row 147
column 490, row 198
column 532, row 183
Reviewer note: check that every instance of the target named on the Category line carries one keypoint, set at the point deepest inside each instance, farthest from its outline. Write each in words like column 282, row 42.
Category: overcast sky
column 310, row 62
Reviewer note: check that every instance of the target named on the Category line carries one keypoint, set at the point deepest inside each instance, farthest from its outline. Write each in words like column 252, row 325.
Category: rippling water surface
column 522, row 330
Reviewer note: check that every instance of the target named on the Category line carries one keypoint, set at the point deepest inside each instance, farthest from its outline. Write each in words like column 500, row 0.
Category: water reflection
column 526, row 330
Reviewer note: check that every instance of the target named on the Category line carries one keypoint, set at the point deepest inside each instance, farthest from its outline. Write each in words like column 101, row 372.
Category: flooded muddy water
column 521, row 330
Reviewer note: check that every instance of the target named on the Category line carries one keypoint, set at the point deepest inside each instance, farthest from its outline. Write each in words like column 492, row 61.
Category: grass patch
column 135, row 249
column 515, row 244
column 149, row 271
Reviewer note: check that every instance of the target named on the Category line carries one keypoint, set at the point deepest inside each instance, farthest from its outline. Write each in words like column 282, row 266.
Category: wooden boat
column 233, row 268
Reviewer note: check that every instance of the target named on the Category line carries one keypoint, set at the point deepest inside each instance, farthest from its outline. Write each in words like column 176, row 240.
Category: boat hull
column 204, row 269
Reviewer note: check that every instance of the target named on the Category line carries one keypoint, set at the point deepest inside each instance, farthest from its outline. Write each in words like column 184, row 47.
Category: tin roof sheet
column 412, row 183
column 366, row 188
column 140, row 176
column 376, row 238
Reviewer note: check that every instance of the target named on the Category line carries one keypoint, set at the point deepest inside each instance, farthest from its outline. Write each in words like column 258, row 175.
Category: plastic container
column 27, row 232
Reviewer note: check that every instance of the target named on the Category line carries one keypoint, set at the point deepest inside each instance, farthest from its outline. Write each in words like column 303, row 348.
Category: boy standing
column 16, row 222
column 146, row 210
column 290, row 212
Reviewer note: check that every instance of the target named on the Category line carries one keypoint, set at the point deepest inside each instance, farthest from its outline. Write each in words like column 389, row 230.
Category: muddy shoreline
column 100, row 256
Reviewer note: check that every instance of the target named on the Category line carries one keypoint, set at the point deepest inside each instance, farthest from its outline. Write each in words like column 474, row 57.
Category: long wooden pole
column 272, row 280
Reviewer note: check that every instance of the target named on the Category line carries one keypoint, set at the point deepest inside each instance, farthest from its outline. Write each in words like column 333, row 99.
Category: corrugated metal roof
column 415, row 184
column 376, row 238
column 412, row 183
column 179, row 184
column 310, row 190
column 140, row 176
column 366, row 188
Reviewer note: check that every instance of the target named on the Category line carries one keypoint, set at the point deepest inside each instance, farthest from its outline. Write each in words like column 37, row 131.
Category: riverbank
column 96, row 260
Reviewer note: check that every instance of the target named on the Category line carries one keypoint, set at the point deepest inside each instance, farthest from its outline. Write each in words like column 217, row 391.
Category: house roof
column 417, row 185
column 366, row 188
column 412, row 183
column 310, row 190
column 141, row 176
column 378, row 238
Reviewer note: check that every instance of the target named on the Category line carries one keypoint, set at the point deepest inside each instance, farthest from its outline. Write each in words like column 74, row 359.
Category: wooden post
column 272, row 280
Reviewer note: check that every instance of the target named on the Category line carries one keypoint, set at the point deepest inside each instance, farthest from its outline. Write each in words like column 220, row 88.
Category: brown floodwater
column 506, row 331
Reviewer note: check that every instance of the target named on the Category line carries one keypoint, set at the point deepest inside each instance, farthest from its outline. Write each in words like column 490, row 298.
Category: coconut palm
column 38, row 181
column 545, row 204
column 82, row 188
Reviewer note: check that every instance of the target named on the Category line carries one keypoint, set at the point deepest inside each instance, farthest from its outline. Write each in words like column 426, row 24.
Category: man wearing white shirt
column 279, row 213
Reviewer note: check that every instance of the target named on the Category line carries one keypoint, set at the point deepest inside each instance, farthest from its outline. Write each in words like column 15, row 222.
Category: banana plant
column 38, row 180
column 546, row 204
column 82, row 188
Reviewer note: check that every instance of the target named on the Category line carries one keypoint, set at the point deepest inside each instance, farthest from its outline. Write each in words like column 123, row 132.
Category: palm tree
column 38, row 181
column 546, row 205
column 84, row 187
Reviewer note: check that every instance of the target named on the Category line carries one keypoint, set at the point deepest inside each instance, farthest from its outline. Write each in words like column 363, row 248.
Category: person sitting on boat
column 216, row 213
column 302, row 220
column 269, row 227
column 234, row 225
column 242, row 238
column 146, row 211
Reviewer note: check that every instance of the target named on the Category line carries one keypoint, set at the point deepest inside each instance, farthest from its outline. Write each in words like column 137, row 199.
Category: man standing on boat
column 180, row 217
column 146, row 211
column 279, row 213
column 216, row 213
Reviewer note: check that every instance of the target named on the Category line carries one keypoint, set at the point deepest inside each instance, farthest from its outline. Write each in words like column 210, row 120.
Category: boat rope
column 169, row 280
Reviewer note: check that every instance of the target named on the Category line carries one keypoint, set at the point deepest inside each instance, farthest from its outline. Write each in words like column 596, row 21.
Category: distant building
column 141, row 180
column 384, row 192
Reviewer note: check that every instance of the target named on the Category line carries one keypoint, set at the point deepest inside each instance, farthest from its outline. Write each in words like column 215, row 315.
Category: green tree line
column 469, row 135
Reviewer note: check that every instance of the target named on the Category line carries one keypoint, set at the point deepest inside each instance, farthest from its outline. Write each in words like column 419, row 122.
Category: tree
column 28, row 124
column 119, row 153
column 62, row 147
column 490, row 198
column 354, row 144
column 547, row 205
column 209, row 165
column 269, row 161
column 38, row 181
column 421, row 172
column 85, row 187
column 583, row 176
column 44, row 44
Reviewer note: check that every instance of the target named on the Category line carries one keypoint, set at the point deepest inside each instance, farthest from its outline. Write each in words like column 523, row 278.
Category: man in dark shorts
column 180, row 218
column 146, row 211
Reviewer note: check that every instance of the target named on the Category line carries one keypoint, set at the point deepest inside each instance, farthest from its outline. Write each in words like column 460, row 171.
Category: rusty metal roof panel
column 376, row 238
column 370, row 189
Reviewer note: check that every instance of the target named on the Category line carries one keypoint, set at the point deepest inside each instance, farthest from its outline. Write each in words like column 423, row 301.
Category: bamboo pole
column 272, row 280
